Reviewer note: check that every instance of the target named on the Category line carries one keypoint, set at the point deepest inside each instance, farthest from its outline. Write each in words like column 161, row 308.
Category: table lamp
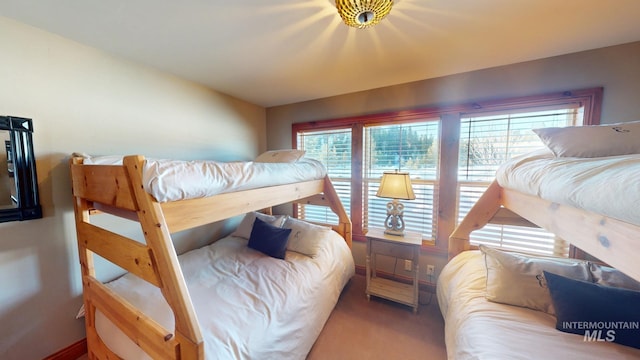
column 395, row 185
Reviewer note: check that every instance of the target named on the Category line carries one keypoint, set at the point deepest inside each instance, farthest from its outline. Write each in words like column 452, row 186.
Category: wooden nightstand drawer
column 391, row 249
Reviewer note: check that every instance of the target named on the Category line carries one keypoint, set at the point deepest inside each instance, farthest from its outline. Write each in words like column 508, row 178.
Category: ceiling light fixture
column 363, row 13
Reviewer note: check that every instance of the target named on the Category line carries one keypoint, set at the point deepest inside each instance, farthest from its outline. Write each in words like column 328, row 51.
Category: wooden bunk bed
column 484, row 294
column 582, row 187
column 607, row 238
column 119, row 190
column 610, row 240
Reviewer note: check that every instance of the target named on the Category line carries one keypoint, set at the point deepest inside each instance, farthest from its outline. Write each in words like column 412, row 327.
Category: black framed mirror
column 19, row 198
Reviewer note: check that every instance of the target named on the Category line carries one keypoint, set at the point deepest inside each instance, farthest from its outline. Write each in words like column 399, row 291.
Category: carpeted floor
column 380, row 329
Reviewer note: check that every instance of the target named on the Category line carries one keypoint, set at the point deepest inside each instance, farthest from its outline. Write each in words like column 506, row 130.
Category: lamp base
column 394, row 223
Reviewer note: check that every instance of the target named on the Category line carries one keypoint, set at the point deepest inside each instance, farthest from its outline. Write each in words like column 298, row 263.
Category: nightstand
column 405, row 247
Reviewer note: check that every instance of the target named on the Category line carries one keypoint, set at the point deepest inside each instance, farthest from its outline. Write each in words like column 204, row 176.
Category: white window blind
column 488, row 140
column 409, row 147
column 333, row 149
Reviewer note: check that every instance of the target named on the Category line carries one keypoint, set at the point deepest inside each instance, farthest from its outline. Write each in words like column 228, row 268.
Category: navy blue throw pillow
column 599, row 313
column 269, row 239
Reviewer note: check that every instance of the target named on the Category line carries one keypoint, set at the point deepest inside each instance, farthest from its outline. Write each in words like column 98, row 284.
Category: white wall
column 82, row 99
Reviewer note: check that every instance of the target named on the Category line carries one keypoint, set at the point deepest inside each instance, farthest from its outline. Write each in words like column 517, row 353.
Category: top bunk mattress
column 605, row 185
column 172, row 180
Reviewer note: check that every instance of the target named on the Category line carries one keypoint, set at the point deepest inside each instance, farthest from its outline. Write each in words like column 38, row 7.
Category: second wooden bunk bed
column 610, row 240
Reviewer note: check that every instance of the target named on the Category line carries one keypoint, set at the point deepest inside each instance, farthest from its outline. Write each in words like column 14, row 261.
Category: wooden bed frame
column 615, row 242
column 118, row 190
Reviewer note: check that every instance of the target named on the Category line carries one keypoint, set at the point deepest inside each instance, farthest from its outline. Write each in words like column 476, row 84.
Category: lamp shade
column 396, row 185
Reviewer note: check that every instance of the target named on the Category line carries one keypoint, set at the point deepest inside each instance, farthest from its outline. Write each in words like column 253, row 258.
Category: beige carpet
column 380, row 329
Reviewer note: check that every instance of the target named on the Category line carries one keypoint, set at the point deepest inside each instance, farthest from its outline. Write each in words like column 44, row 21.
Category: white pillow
column 305, row 237
column 280, row 156
column 517, row 279
column 607, row 276
column 246, row 225
column 592, row 141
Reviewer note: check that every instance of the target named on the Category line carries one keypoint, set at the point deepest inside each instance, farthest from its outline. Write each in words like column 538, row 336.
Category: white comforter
column 171, row 180
column 607, row 185
column 478, row 329
column 249, row 305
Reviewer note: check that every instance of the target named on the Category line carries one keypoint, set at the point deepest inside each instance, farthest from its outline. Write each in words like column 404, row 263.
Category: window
column 333, row 148
column 411, row 147
column 486, row 141
column 451, row 153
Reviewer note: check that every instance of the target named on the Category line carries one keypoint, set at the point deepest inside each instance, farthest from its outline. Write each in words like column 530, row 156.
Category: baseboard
column 71, row 352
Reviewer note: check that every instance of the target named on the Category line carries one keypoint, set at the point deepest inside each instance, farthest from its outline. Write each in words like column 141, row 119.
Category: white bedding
column 249, row 305
column 171, row 180
column 607, row 185
column 478, row 329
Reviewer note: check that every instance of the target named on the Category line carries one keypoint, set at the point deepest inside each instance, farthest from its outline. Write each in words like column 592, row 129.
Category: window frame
column 449, row 140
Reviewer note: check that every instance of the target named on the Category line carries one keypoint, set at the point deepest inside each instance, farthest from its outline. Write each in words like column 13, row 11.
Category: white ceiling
column 274, row 52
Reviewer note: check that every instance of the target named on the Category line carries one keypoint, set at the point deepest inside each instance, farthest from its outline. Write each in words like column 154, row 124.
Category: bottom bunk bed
column 265, row 291
column 248, row 305
column 589, row 202
column 476, row 328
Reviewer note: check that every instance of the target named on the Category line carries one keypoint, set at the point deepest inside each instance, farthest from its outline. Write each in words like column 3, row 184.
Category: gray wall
column 615, row 68
column 81, row 99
